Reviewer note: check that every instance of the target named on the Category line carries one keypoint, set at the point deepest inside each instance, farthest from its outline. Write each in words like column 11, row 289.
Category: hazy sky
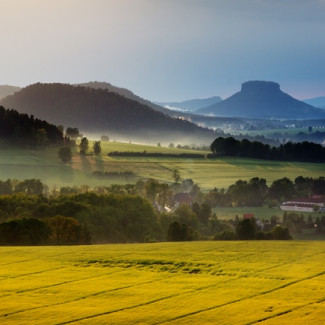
column 166, row 49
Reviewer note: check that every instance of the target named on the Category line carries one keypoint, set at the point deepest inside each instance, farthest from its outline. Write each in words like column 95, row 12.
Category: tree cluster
column 247, row 229
column 154, row 154
column 23, row 130
column 114, row 174
column 57, row 230
column 301, row 151
column 256, row 193
column 107, row 217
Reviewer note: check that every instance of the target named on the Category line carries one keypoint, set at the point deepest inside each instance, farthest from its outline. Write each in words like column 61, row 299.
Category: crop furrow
column 241, row 299
column 37, row 272
column 292, row 261
column 286, row 312
column 82, row 298
column 62, row 283
column 118, row 310
column 31, row 259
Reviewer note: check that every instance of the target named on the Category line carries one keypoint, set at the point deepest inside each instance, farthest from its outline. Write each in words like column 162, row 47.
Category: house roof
column 248, row 215
column 309, row 200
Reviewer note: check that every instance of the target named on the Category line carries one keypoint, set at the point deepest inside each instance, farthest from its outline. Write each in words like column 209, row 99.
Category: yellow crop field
column 164, row 283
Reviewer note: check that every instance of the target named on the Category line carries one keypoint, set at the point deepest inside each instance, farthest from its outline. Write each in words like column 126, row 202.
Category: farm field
column 283, row 132
column 208, row 173
column 259, row 212
column 164, row 283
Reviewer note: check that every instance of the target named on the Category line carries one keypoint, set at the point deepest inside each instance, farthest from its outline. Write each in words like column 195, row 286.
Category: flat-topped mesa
column 260, row 86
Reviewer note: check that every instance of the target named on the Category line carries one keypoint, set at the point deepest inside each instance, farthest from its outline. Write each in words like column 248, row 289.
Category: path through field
column 164, row 283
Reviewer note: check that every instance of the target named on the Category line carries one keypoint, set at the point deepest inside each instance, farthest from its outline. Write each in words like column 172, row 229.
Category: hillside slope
column 101, row 111
column 263, row 99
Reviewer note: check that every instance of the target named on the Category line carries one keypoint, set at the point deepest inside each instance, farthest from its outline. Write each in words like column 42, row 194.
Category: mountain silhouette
column 100, row 111
column 263, row 99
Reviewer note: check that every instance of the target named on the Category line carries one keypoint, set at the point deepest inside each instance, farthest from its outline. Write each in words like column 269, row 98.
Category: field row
column 164, row 283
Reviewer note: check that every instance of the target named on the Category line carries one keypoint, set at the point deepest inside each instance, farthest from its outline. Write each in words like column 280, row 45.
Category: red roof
column 310, row 200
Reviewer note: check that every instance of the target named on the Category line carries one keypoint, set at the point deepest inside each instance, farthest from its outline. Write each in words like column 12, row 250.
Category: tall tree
column 65, row 154
column 176, row 175
column 84, row 145
column 97, row 148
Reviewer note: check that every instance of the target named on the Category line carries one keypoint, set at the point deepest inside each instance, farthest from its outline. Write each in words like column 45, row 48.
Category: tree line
column 154, row 154
column 253, row 192
column 301, row 151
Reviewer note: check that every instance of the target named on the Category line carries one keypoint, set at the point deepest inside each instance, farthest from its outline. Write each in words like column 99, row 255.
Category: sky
column 166, row 50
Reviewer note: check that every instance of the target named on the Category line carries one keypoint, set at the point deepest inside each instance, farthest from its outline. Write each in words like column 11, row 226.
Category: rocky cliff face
column 259, row 86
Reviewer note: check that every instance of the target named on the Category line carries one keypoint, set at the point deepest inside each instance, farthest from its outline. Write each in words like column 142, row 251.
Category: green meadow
column 269, row 282
column 208, row 173
column 259, row 212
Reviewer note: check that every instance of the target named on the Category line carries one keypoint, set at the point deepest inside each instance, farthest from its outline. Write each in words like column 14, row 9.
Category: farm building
column 304, row 204
column 259, row 223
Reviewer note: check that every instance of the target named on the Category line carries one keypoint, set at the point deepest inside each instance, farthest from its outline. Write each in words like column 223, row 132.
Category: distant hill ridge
column 263, row 99
column 317, row 101
column 6, row 90
column 191, row 104
column 101, row 111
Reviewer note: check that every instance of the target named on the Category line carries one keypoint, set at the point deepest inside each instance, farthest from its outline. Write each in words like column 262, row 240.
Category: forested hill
column 24, row 130
column 125, row 93
column 101, row 111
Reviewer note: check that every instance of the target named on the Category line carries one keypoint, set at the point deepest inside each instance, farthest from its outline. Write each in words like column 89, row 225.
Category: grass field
column 272, row 132
column 208, row 173
column 164, row 283
column 259, row 212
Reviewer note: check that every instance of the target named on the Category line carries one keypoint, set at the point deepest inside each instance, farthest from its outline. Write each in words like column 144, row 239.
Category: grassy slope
column 165, row 283
column 207, row 173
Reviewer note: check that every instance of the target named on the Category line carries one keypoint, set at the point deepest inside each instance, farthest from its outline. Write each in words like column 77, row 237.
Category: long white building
column 304, row 204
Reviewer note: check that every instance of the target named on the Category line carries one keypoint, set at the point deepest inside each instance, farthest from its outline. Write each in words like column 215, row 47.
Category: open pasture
column 259, row 212
column 164, row 283
column 208, row 173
